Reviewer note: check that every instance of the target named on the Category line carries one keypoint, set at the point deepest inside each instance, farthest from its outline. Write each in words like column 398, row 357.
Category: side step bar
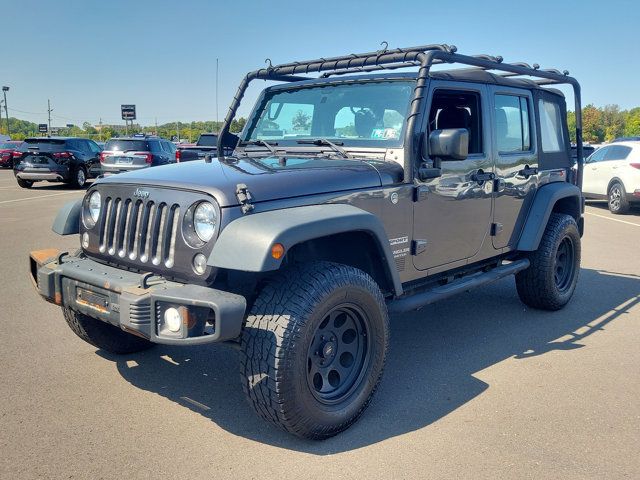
column 417, row 300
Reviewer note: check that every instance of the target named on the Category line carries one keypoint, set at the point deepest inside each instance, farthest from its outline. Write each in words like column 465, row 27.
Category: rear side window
column 551, row 133
column 513, row 132
column 43, row 145
column 155, row 147
column 122, row 145
column 617, row 152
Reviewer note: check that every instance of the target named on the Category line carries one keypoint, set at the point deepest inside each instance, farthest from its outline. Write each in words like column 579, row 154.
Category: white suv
column 613, row 172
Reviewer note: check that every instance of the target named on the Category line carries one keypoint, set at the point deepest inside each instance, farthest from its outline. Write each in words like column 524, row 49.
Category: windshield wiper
column 264, row 144
column 320, row 142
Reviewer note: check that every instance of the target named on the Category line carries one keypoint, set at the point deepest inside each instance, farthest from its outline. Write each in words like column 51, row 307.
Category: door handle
column 528, row 171
column 481, row 176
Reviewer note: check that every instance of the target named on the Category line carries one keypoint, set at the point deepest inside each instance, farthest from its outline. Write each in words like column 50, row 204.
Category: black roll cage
column 389, row 59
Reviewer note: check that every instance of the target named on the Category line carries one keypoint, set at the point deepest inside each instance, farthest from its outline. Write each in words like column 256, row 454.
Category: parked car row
column 74, row 160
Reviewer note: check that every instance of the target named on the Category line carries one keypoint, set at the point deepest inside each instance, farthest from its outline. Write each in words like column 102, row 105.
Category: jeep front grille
column 138, row 230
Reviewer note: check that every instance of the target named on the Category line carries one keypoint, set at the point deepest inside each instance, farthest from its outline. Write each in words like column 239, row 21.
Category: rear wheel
column 617, row 197
column 79, row 178
column 25, row 183
column 551, row 279
column 313, row 348
column 104, row 335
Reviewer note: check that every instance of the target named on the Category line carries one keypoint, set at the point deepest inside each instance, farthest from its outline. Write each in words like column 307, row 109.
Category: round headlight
column 94, row 206
column 205, row 220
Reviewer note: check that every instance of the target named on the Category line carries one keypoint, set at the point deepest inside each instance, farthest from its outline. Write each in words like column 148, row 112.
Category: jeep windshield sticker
column 385, row 134
column 398, row 241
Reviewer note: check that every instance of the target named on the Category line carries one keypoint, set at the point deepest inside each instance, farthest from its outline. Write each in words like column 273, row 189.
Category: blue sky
column 90, row 56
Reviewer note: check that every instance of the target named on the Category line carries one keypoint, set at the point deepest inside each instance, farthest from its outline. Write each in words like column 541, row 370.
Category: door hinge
column 420, row 193
column 418, row 246
column 244, row 197
column 496, row 229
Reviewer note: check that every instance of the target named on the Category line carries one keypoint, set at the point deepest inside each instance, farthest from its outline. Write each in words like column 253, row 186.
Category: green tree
column 301, row 121
column 632, row 122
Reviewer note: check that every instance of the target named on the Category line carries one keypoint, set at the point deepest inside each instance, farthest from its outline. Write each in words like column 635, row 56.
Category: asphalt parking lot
column 475, row 387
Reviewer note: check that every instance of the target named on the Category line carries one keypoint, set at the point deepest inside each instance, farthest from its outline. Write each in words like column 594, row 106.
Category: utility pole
column 5, row 89
column 100, row 131
column 49, row 110
column 178, row 130
column 156, row 119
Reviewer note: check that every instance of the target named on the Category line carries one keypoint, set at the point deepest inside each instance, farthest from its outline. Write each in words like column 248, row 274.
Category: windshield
column 122, row 145
column 207, row 141
column 369, row 114
column 43, row 144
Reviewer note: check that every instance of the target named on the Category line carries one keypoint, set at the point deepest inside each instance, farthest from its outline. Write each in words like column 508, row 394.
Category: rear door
column 516, row 162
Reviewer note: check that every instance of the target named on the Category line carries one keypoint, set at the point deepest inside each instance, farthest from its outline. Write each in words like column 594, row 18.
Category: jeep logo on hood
column 139, row 193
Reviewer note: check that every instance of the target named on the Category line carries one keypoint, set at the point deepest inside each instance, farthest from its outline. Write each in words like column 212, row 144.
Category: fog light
column 85, row 240
column 172, row 319
column 200, row 264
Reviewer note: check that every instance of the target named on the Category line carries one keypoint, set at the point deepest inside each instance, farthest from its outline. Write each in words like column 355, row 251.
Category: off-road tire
column 544, row 284
column 103, row 335
column 617, row 199
column 79, row 179
column 25, row 183
column 278, row 342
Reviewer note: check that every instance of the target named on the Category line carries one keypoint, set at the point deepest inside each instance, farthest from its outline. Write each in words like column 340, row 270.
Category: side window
column 513, row 132
column 169, row 147
column 94, row 147
column 74, row 145
column 598, row 155
column 155, row 147
column 550, row 127
column 617, row 152
column 458, row 109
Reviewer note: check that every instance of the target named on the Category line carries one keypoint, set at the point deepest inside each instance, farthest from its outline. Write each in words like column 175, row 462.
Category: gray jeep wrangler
column 350, row 195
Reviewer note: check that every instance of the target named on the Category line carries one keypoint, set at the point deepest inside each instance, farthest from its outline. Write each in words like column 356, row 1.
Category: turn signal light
column 277, row 251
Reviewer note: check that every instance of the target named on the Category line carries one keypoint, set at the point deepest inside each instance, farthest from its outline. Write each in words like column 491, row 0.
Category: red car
column 6, row 152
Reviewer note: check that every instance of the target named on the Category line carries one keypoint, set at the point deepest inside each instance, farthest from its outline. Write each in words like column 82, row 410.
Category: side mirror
column 449, row 144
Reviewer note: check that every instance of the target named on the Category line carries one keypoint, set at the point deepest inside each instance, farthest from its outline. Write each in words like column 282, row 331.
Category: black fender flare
column 543, row 205
column 245, row 244
column 67, row 221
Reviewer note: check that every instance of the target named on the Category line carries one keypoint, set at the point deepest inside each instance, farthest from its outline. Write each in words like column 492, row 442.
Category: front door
column 452, row 220
column 516, row 162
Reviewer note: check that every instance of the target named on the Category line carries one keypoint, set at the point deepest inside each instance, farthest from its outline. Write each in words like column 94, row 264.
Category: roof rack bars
column 424, row 57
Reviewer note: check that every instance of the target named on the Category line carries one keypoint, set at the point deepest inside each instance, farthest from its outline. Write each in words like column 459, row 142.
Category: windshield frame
column 346, row 143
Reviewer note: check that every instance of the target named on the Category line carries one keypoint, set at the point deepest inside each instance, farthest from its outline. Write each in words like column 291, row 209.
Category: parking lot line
column 35, row 198
column 613, row 219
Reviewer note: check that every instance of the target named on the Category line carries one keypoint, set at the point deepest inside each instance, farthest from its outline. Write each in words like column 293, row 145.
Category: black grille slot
column 140, row 231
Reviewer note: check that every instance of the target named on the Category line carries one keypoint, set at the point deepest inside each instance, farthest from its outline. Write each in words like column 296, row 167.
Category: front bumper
column 135, row 302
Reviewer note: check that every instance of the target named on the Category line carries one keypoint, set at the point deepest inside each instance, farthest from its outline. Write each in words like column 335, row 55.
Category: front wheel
column 617, row 199
column 551, row 279
column 314, row 347
column 104, row 335
column 25, row 183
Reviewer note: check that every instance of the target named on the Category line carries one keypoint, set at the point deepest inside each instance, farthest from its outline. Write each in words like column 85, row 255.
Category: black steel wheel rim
column 565, row 264
column 339, row 354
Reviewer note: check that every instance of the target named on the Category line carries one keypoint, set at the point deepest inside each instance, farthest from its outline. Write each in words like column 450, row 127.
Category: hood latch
column 244, row 197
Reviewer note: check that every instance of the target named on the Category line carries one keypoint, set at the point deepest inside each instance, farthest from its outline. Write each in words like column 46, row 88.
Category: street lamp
column 6, row 110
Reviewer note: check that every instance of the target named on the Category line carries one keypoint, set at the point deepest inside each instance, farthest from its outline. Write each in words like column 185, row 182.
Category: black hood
column 267, row 178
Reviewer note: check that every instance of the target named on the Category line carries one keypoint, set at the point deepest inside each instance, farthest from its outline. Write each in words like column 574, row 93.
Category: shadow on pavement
column 434, row 355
